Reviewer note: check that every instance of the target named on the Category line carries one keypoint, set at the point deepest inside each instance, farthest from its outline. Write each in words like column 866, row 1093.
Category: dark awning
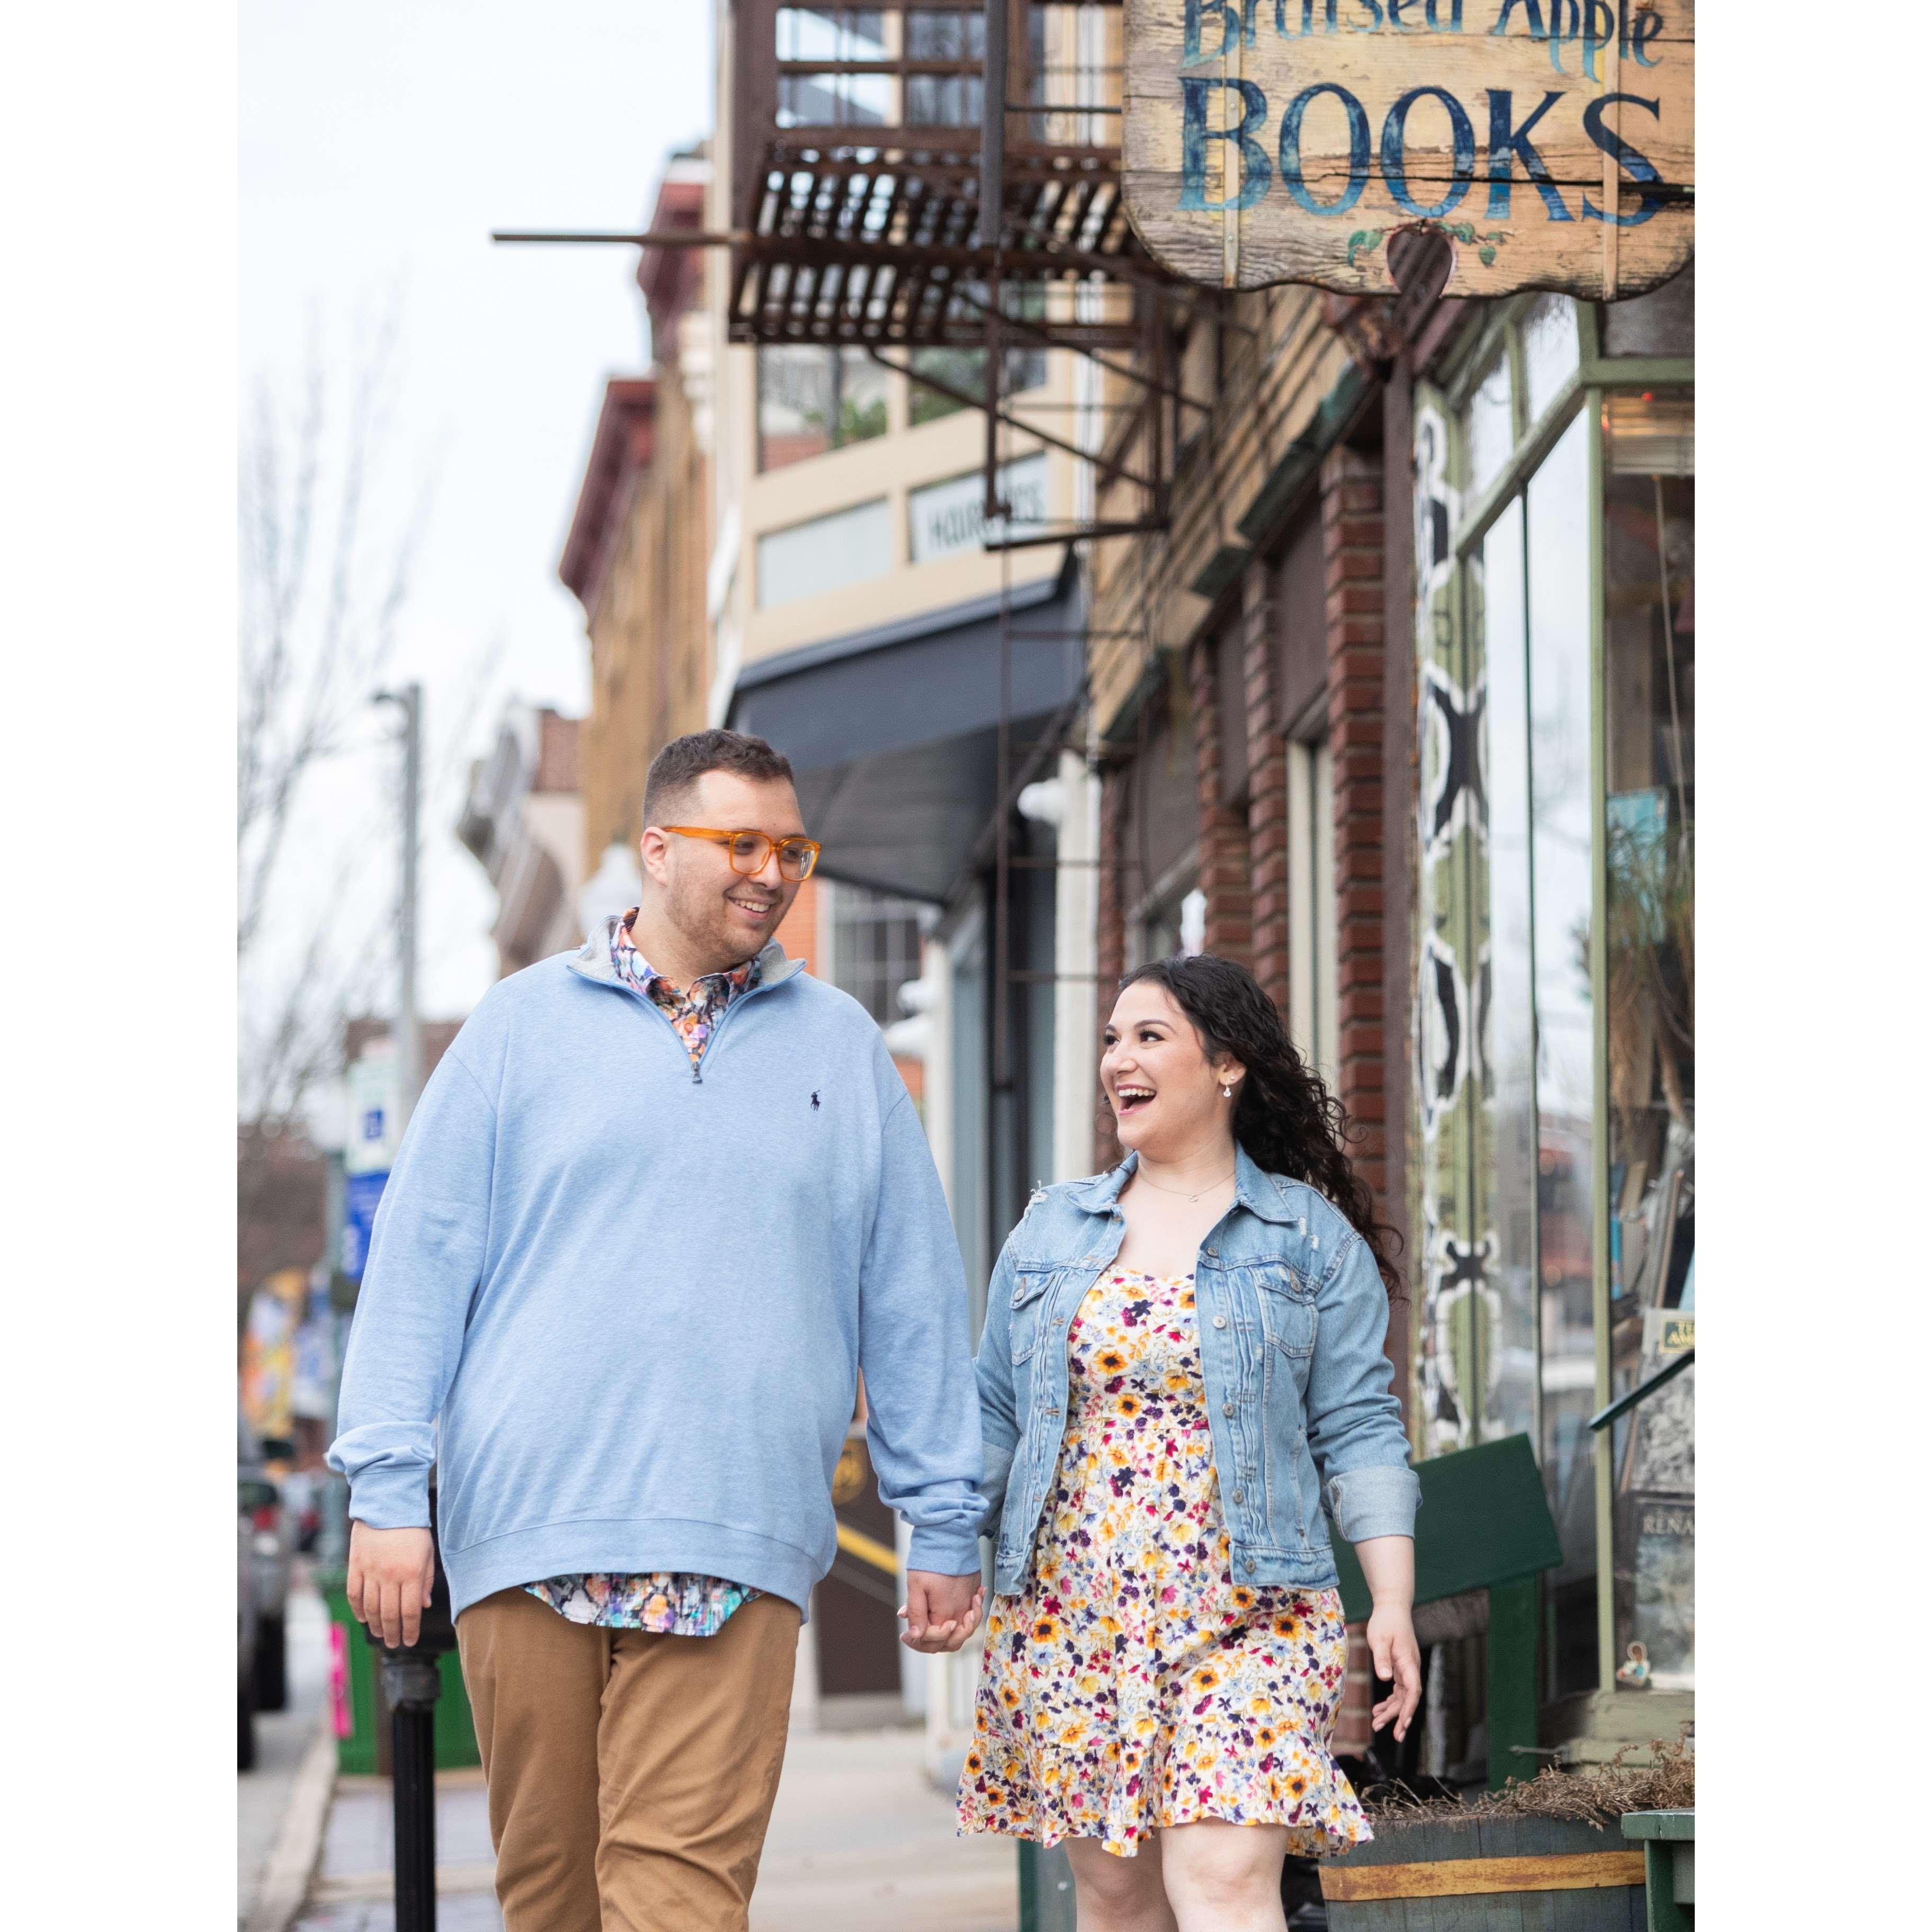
column 893, row 732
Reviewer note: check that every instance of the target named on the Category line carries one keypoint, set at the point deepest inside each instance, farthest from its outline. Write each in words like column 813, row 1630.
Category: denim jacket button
column 1220, row 1321
column 1227, row 1408
column 1240, row 1496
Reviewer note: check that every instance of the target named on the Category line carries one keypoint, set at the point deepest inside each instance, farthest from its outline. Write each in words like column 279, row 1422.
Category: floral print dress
column 1134, row 1685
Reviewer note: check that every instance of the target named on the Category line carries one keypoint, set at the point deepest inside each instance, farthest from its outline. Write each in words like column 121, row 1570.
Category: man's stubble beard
column 704, row 919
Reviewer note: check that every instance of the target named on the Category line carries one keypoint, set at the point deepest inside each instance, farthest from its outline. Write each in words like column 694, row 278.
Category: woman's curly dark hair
column 1286, row 1116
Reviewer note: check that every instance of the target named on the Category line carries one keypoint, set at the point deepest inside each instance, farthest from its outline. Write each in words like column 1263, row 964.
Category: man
column 661, row 1203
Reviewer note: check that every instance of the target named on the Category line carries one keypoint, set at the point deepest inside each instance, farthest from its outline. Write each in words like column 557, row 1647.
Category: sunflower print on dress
column 1134, row 1685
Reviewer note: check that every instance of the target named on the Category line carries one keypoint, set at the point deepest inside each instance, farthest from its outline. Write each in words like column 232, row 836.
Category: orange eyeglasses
column 749, row 850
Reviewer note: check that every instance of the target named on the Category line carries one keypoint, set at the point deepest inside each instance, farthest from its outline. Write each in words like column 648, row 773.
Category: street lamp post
column 408, row 1028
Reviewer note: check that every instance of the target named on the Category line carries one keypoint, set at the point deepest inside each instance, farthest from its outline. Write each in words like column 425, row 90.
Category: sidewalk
column 859, row 1842
column 282, row 1741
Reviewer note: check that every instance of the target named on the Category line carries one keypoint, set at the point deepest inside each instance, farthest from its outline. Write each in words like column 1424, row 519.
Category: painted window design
column 1555, row 965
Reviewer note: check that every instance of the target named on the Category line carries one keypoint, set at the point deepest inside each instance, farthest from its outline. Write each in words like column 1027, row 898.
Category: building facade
column 524, row 822
column 1351, row 637
column 1414, row 735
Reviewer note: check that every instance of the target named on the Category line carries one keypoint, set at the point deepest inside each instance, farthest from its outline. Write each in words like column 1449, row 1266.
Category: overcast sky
column 379, row 146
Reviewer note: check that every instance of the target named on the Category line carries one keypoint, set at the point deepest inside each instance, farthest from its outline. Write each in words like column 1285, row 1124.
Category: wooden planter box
column 1526, row 1874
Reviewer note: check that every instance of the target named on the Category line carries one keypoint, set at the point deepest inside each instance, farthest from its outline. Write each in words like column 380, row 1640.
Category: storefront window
column 1562, row 1251
column 1489, row 426
column 1549, row 351
column 1534, row 588
column 1649, row 640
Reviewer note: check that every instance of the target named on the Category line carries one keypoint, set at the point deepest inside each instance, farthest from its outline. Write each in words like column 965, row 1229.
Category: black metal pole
column 411, row 1684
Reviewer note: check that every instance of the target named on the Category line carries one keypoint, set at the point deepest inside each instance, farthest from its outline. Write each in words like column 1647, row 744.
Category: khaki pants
column 631, row 1775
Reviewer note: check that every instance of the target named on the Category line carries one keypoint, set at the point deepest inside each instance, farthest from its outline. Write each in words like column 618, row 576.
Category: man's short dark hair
column 685, row 760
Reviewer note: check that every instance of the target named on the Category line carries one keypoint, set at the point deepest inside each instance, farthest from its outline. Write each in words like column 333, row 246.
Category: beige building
column 523, row 822
column 640, row 536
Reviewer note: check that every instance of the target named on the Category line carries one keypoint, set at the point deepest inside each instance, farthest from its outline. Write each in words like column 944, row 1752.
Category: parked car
column 271, row 1546
column 248, row 1628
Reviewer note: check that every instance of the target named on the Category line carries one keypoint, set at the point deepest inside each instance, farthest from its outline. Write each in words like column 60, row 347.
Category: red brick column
column 1268, row 790
column 1352, row 535
column 1351, row 539
column 1110, row 938
column 1224, row 834
column 1352, row 1730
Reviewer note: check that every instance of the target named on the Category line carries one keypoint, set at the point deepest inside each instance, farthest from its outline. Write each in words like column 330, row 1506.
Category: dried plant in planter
column 1597, row 1795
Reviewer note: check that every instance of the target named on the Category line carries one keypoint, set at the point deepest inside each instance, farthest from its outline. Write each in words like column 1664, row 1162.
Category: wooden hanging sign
column 1550, row 142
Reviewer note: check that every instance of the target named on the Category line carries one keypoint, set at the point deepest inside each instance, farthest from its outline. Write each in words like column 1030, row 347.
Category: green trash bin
column 362, row 1747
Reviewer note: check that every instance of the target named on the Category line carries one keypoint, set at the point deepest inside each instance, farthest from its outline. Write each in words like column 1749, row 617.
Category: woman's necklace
column 1182, row 1193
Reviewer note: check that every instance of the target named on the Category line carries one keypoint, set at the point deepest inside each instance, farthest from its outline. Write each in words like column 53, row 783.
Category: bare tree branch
column 325, row 568
column 315, row 635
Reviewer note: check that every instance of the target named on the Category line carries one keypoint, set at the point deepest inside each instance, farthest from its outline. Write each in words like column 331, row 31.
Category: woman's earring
column 1227, row 1093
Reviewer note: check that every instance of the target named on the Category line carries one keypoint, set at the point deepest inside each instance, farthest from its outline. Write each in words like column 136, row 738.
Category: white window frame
column 1314, row 1017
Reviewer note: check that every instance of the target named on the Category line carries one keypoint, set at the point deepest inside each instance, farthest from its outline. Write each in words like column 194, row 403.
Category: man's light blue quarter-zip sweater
column 632, row 1300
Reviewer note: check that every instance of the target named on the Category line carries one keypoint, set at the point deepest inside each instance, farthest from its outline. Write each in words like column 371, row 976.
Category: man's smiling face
column 723, row 917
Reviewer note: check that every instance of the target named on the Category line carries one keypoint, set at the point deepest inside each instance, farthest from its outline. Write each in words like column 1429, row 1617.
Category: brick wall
column 1352, row 1731
column 1267, row 789
column 1352, row 556
column 1352, row 540
column 1223, row 877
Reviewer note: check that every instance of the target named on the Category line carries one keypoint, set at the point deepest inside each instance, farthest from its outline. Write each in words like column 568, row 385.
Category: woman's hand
column 1398, row 1658
column 941, row 1612
column 1388, row 1567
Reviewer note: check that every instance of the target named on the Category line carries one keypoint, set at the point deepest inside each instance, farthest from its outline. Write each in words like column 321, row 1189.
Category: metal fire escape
column 945, row 174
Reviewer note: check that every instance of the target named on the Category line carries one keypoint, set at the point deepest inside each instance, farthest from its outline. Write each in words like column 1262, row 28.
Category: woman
column 1182, row 1366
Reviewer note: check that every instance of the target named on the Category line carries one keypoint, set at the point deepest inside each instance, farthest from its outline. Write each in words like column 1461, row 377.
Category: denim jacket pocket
column 1030, row 1283
column 1288, row 1313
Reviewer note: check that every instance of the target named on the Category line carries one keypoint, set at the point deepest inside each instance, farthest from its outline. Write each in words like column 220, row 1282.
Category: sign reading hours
column 1549, row 142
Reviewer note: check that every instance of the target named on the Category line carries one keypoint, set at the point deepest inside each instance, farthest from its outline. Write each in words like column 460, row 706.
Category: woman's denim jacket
column 1292, row 1314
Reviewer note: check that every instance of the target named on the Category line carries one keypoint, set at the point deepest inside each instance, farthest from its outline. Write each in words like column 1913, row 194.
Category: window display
column 1649, row 645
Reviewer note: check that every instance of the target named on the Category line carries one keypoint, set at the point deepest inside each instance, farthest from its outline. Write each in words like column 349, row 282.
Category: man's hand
column 390, row 1573
column 941, row 1612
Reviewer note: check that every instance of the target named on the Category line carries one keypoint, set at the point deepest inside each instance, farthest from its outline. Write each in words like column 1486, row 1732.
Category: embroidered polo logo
column 814, row 1101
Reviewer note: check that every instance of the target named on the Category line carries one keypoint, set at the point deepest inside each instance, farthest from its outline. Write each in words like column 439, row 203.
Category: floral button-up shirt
column 675, row 1603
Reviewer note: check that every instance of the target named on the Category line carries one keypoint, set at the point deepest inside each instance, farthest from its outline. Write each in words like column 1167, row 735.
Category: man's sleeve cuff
column 390, row 1496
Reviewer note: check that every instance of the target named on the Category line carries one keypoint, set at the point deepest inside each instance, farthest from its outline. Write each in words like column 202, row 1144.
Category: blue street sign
column 361, row 1192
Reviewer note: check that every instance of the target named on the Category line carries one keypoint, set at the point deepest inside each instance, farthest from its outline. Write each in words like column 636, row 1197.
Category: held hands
column 1397, row 1659
column 390, row 1573
column 941, row 1612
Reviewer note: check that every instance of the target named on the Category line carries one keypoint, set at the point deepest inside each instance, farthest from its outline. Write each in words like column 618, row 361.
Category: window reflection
column 832, row 34
column 811, row 400
column 1497, row 584
column 1489, row 426
column 1558, row 541
column 1549, row 350
column 1536, row 1349
column 1650, row 636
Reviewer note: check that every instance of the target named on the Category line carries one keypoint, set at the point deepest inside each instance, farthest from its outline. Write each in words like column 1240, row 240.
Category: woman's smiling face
column 1166, row 1099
